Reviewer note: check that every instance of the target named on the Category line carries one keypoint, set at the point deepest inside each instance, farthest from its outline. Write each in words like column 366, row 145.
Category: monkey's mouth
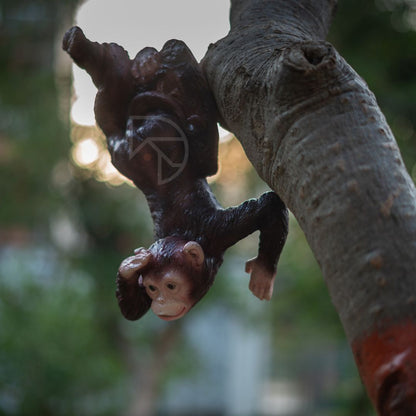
column 173, row 317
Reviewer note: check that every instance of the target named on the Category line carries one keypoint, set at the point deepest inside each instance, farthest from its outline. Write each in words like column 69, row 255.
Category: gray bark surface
column 315, row 134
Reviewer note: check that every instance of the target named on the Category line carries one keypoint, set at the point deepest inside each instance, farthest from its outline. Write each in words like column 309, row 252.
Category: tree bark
column 315, row 134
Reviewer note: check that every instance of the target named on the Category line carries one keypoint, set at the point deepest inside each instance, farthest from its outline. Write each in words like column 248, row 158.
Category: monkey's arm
column 131, row 296
column 269, row 215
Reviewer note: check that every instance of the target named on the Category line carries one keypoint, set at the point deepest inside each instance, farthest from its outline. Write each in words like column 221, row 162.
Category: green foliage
column 54, row 359
column 378, row 39
column 58, row 319
column 30, row 129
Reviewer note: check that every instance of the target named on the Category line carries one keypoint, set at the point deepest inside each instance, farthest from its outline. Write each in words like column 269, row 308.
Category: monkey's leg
column 109, row 66
column 86, row 54
column 97, row 59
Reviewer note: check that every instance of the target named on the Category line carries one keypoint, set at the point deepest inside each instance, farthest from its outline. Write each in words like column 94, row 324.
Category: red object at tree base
column 386, row 360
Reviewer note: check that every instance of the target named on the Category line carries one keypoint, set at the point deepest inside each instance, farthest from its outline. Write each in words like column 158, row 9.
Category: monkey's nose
column 161, row 300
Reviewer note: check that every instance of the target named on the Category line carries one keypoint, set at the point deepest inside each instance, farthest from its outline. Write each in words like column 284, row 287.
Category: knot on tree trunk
column 396, row 393
column 310, row 55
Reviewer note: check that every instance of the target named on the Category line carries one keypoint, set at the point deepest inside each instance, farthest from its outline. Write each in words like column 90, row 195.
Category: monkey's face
column 170, row 293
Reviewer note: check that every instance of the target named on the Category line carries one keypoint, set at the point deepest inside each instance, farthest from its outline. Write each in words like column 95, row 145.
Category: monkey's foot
column 79, row 47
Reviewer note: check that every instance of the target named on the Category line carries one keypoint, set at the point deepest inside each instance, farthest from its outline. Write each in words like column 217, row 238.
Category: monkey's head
column 169, row 278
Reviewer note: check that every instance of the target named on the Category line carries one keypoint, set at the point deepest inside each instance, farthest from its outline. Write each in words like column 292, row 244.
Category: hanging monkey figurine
column 160, row 121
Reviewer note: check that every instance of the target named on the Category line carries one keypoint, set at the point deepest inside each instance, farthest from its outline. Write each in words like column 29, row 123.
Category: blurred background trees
column 66, row 222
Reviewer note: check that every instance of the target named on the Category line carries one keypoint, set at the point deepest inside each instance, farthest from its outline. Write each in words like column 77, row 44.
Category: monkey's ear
column 194, row 253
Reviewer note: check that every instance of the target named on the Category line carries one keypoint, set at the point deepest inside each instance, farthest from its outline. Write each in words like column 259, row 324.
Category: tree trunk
column 315, row 134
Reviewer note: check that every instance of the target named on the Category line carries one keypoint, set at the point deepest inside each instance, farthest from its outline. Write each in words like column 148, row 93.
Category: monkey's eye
column 152, row 288
column 171, row 286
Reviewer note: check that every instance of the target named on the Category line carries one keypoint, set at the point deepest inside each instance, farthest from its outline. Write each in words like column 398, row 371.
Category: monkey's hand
column 261, row 279
column 130, row 266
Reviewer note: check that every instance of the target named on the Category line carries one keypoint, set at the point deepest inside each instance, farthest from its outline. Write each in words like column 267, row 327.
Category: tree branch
column 315, row 134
